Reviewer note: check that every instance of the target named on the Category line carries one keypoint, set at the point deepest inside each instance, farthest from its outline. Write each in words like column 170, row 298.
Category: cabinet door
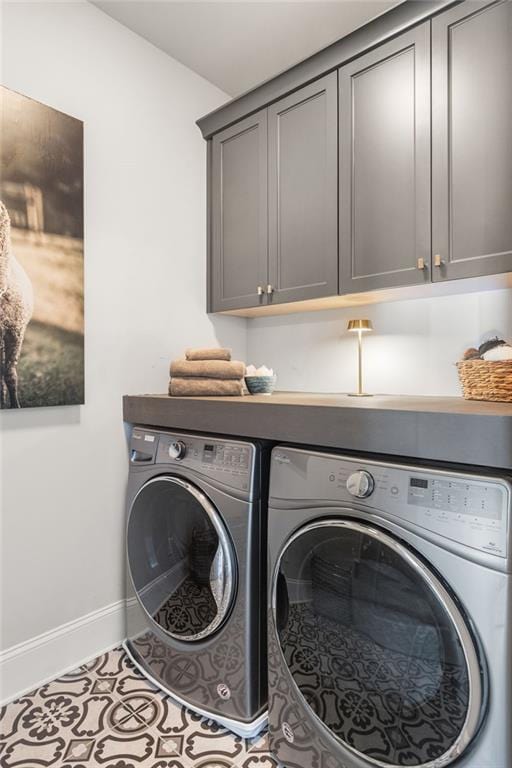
column 303, row 226
column 238, row 192
column 385, row 165
column 472, row 140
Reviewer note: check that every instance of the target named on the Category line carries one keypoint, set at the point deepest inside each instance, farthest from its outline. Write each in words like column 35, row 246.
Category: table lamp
column 360, row 327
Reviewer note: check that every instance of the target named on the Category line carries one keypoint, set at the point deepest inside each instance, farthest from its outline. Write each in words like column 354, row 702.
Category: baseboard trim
column 34, row 662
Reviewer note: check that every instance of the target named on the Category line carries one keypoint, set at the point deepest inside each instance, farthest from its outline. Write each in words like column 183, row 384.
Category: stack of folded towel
column 206, row 372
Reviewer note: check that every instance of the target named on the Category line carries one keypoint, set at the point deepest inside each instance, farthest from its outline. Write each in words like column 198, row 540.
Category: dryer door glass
column 376, row 645
column 180, row 558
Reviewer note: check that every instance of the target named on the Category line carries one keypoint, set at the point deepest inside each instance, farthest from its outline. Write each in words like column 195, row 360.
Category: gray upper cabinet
column 303, row 190
column 384, row 161
column 472, row 140
column 385, row 165
column 238, row 216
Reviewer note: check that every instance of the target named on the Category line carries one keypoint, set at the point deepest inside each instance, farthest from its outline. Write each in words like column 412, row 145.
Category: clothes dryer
column 390, row 632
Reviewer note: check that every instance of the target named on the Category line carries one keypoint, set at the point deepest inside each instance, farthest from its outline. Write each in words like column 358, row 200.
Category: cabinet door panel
column 472, row 139
column 385, row 165
column 303, row 229
column 238, row 190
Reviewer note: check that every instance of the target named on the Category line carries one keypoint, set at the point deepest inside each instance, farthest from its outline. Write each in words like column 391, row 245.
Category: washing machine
column 390, row 634
column 196, row 572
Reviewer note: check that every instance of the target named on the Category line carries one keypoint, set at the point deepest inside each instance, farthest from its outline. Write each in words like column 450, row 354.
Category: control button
column 332, row 478
column 177, row 450
column 394, row 490
column 360, row 484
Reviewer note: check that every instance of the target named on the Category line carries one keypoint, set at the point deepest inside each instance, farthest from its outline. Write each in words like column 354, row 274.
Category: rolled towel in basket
column 210, row 369
column 203, row 387
column 498, row 354
column 214, row 353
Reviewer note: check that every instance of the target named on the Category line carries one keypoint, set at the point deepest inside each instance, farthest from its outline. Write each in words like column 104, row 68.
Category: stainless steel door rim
column 476, row 692
column 224, row 588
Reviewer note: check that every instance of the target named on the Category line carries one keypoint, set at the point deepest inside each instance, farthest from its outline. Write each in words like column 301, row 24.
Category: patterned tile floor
column 106, row 714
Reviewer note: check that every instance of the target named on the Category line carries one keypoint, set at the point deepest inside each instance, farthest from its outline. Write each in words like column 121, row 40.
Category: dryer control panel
column 472, row 510
column 228, row 462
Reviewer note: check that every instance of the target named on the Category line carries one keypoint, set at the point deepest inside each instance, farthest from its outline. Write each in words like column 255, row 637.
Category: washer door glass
column 376, row 645
column 180, row 558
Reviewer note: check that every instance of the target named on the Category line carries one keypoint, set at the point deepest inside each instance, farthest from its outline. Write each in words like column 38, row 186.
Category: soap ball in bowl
column 260, row 381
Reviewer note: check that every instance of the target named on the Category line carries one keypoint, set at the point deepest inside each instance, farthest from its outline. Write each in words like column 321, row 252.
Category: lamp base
column 359, row 394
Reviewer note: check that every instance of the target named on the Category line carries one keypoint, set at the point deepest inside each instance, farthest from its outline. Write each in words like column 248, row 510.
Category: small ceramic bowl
column 260, row 385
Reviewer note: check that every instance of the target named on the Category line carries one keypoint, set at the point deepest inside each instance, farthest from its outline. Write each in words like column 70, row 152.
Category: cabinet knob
column 421, row 263
column 260, row 290
column 270, row 289
column 438, row 262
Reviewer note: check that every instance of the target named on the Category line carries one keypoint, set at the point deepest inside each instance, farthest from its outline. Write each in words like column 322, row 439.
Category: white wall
column 412, row 351
column 63, row 469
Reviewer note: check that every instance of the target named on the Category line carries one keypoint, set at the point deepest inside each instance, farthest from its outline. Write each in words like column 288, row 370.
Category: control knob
column 177, row 450
column 360, row 484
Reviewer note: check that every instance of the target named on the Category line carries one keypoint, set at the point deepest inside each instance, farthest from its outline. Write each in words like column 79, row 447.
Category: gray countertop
column 447, row 429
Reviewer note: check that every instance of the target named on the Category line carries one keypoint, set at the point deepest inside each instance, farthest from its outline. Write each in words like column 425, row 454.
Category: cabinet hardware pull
column 260, row 290
column 270, row 289
column 438, row 262
column 421, row 263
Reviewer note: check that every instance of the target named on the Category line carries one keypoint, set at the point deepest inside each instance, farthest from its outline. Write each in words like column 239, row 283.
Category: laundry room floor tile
column 106, row 714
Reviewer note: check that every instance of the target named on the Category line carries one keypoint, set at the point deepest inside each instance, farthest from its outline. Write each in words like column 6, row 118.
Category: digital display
column 209, row 448
column 418, row 482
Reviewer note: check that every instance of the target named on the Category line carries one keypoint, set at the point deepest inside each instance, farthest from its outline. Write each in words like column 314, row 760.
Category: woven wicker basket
column 486, row 380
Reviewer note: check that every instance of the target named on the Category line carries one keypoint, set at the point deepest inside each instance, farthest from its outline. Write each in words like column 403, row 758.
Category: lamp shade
column 360, row 325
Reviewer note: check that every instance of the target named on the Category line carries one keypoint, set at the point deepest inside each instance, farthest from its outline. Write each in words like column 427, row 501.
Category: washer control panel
column 230, row 463
column 470, row 509
column 227, row 456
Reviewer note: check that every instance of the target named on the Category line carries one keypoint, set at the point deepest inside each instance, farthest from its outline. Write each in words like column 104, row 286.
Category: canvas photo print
column 41, row 255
